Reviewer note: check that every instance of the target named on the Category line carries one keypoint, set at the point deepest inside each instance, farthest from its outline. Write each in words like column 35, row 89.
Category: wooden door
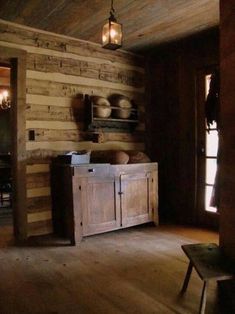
column 135, row 199
column 101, row 210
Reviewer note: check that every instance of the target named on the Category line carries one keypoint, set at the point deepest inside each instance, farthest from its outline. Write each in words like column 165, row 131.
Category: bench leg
column 203, row 298
column 187, row 277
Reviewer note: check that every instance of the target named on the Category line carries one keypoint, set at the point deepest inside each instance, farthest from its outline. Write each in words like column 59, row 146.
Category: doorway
column 6, row 218
column 207, row 152
column 15, row 59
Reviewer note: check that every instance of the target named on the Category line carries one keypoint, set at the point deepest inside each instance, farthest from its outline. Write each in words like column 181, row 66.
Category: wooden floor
column 137, row 270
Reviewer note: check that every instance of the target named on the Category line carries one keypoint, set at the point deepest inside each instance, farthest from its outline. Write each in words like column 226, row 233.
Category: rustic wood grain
column 227, row 168
column 51, row 135
column 72, row 79
column 37, row 168
column 38, row 204
column 36, row 180
column 60, row 71
column 55, row 125
column 30, row 37
column 40, row 228
column 38, row 192
column 145, row 24
column 108, row 198
column 87, row 69
column 47, row 113
column 58, row 89
column 142, row 263
column 40, row 216
column 61, row 146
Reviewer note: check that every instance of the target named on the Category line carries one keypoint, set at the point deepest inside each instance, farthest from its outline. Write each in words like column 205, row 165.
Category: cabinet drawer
column 91, row 170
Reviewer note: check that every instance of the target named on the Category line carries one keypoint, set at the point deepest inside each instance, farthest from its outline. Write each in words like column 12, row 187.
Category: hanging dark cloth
column 212, row 100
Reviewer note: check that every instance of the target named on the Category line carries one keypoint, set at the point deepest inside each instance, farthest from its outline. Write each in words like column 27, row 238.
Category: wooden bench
column 210, row 264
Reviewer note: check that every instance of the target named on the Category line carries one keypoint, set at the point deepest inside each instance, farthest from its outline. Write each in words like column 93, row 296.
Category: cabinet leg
column 187, row 277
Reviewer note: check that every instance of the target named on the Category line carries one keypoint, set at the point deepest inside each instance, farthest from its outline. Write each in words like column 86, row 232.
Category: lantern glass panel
column 112, row 35
column 116, row 33
column 105, row 34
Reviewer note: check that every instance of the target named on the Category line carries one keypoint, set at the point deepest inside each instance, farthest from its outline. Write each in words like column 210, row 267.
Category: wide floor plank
column 137, row 270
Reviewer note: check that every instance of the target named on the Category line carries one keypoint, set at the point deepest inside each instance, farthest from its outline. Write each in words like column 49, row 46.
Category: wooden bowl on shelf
column 123, row 105
column 101, row 107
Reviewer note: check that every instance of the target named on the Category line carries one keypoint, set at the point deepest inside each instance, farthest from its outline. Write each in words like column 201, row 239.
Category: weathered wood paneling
column 171, row 118
column 40, row 216
column 60, row 70
column 169, row 19
column 227, row 167
column 37, row 168
column 58, row 89
column 40, row 227
column 39, row 39
column 37, row 180
column 84, row 69
column 44, row 113
column 39, row 204
column 62, row 146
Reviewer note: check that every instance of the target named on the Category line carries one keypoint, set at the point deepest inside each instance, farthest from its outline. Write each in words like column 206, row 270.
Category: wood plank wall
column 171, row 118
column 60, row 70
column 227, row 167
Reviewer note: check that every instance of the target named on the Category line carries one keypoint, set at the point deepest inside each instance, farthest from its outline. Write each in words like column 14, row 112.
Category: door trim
column 17, row 61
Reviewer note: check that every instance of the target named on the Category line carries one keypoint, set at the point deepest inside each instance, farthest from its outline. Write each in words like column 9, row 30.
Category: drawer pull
column 91, row 170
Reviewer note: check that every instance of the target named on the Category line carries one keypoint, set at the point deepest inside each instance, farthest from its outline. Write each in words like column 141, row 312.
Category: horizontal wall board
column 50, row 135
column 37, row 192
column 23, row 35
column 52, row 100
column 62, row 146
column 42, row 155
column 84, row 69
column 66, row 101
column 38, row 168
column 40, row 228
column 38, row 204
column 37, row 180
column 41, row 216
column 56, row 89
column 55, row 125
column 61, row 54
column 47, row 113
column 119, row 137
column 72, row 79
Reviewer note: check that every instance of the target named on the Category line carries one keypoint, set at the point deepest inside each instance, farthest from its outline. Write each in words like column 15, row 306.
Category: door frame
column 203, row 217
column 17, row 60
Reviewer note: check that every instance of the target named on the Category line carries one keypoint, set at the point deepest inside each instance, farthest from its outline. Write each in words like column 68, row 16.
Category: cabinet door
column 135, row 199
column 101, row 211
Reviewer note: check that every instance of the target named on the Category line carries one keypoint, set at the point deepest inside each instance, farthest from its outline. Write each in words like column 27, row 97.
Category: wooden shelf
column 116, row 120
column 110, row 124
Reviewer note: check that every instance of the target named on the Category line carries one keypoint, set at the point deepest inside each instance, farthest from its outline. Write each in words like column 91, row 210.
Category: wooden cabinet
column 100, row 208
column 95, row 198
column 135, row 198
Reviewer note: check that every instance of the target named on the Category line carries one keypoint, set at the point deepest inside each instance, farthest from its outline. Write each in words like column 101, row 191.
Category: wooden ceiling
column 145, row 23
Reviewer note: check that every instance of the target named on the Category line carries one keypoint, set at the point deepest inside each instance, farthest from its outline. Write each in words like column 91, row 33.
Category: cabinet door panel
column 100, row 212
column 135, row 193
